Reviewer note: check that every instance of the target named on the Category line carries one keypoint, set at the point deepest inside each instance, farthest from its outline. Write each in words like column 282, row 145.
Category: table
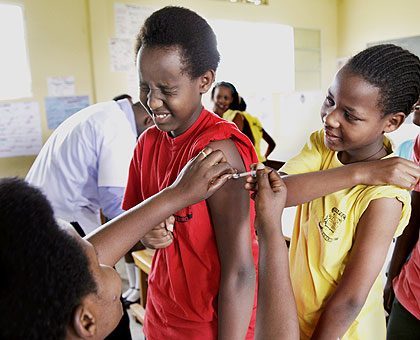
column 143, row 260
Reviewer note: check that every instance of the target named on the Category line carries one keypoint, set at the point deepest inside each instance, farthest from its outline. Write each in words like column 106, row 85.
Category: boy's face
column 353, row 123
column 171, row 97
column 142, row 118
column 222, row 99
column 105, row 306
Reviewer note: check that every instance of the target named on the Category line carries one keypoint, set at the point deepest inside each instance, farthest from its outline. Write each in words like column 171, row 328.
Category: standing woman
column 230, row 106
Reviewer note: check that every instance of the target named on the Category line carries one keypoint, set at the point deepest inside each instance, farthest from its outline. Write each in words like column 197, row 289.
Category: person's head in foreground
column 52, row 286
column 371, row 95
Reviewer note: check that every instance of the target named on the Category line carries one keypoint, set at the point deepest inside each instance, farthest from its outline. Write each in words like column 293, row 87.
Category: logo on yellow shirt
column 330, row 224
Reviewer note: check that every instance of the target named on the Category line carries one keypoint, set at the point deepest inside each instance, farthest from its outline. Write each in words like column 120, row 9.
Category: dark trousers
column 122, row 331
column 402, row 325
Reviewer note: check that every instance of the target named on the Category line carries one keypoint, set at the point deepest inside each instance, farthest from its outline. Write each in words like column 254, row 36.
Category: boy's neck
column 188, row 124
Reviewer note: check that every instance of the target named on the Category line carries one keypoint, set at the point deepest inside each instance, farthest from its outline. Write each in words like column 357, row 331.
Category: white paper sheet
column 20, row 129
column 121, row 54
column 61, row 86
column 129, row 18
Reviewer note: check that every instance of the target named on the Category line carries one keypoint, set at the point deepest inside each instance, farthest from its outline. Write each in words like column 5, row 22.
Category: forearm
column 303, row 188
column 236, row 300
column 336, row 319
column 117, row 237
column 271, row 143
column 276, row 311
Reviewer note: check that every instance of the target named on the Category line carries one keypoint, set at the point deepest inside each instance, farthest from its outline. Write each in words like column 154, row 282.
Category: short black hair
column 45, row 270
column 392, row 69
column 179, row 27
column 122, row 96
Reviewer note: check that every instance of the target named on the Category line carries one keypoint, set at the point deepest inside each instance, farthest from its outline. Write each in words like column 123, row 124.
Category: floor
column 135, row 327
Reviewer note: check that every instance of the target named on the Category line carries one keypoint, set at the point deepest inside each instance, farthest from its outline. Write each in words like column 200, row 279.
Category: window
column 307, row 59
column 15, row 80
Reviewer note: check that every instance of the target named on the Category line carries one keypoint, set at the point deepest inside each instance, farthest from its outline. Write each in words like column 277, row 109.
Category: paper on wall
column 20, row 129
column 129, row 18
column 60, row 108
column 121, row 52
column 61, row 86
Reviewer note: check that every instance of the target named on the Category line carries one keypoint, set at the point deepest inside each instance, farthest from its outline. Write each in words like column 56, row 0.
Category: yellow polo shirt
column 322, row 239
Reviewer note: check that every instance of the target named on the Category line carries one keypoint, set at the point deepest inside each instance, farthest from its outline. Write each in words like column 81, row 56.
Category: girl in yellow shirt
column 340, row 240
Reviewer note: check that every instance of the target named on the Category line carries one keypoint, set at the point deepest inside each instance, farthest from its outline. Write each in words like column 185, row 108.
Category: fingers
column 160, row 236
column 268, row 178
column 262, row 178
column 169, row 223
column 212, row 157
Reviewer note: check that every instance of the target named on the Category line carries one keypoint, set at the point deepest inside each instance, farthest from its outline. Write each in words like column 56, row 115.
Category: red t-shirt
column 184, row 279
column 407, row 283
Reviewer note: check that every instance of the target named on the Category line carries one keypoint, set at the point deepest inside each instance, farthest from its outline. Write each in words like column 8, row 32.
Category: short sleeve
column 415, row 157
column 387, row 191
column 115, row 153
column 132, row 194
column 310, row 158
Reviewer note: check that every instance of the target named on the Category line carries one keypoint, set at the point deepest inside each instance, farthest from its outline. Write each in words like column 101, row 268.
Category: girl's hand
column 202, row 176
column 396, row 171
column 270, row 195
column 160, row 236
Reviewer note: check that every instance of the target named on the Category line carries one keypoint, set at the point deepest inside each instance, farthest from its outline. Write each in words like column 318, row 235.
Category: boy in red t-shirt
column 202, row 286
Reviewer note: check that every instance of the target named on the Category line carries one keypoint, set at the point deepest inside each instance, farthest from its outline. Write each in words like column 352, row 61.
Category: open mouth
column 160, row 117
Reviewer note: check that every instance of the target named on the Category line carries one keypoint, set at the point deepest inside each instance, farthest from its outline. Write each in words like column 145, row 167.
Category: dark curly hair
column 182, row 28
column 392, row 69
column 45, row 270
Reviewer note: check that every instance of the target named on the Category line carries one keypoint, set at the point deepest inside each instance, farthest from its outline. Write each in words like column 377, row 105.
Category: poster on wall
column 60, row 108
column 121, row 54
column 61, row 86
column 20, row 129
column 129, row 18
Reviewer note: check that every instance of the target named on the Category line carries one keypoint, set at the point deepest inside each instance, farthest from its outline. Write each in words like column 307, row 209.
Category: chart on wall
column 20, row 129
column 128, row 19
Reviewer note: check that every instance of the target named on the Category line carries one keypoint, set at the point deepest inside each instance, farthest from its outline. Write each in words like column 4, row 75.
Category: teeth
column 161, row 115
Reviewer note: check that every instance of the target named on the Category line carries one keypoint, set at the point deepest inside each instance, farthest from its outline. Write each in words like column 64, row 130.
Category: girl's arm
column 200, row 178
column 306, row 187
column 404, row 246
column 270, row 141
column 276, row 310
column 229, row 209
column 375, row 231
column 239, row 121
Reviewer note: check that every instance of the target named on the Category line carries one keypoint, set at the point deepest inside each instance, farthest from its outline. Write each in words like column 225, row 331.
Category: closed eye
column 350, row 117
column 329, row 100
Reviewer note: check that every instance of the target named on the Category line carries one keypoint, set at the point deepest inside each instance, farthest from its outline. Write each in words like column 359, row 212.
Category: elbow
column 241, row 277
column 349, row 309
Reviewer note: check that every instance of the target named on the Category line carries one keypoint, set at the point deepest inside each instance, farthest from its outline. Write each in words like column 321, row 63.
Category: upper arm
column 375, row 232
column 229, row 209
column 239, row 121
